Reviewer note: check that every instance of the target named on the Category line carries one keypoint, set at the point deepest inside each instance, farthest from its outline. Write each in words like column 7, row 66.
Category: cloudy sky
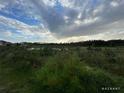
column 61, row 20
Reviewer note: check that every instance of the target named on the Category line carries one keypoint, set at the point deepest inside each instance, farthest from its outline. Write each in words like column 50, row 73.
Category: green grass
column 68, row 70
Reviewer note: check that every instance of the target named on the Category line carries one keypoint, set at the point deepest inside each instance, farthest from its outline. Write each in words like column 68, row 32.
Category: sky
column 54, row 21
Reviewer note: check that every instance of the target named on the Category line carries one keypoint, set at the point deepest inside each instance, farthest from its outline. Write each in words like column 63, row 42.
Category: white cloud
column 8, row 33
column 114, row 4
column 26, row 30
column 1, row 6
column 86, row 21
column 72, row 20
column 67, row 3
column 5, row 33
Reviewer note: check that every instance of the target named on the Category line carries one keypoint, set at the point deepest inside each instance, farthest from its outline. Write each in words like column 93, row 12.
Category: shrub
column 65, row 74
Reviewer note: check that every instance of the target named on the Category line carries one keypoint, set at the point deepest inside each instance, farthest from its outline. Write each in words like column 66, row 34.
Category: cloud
column 26, row 32
column 88, row 23
column 68, row 20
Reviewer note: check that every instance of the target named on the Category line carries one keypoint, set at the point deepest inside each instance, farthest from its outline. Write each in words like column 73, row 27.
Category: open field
column 61, row 46
column 61, row 69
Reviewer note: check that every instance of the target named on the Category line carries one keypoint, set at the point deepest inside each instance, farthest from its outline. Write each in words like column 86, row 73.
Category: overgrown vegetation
column 32, row 68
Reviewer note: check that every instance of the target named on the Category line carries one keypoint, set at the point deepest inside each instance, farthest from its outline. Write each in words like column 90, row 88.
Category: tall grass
column 67, row 70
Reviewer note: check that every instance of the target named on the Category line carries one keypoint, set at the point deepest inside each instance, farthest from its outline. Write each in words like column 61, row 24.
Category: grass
column 61, row 70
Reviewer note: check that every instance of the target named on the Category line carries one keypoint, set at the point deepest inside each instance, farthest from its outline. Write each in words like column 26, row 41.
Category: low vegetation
column 32, row 68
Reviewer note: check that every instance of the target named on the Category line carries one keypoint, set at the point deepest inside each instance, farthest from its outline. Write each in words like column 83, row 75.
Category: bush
column 65, row 74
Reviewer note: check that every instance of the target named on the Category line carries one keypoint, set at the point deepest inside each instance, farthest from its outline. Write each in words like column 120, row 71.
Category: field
column 61, row 69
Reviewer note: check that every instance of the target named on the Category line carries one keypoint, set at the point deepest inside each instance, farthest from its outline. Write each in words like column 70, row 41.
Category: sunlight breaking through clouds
column 58, row 20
